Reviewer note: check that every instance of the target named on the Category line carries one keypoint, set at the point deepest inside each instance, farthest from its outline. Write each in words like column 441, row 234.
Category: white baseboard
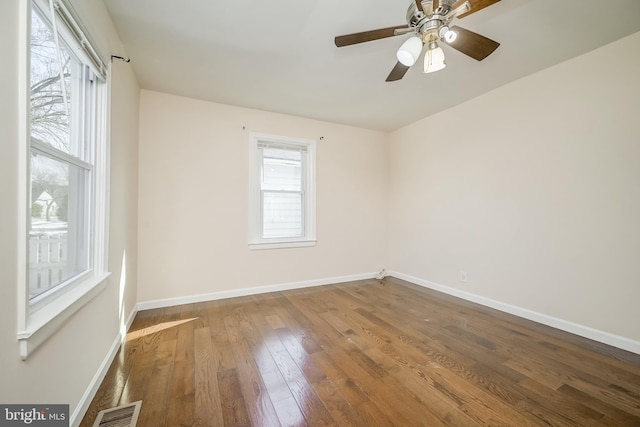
column 168, row 302
column 564, row 325
column 92, row 389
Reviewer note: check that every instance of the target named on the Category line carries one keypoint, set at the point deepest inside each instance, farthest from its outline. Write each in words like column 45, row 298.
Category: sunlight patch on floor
column 156, row 328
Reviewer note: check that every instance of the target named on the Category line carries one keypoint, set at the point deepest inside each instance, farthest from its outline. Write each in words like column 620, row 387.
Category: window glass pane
column 52, row 121
column 282, row 214
column 282, row 195
column 58, row 237
column 282, row 170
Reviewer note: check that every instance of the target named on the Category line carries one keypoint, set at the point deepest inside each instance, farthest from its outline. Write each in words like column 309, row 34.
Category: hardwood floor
column 367, row 353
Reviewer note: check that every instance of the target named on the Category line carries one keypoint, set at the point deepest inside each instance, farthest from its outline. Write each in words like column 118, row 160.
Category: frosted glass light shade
column 450, row 36
column 409, row 51
column 434, row 59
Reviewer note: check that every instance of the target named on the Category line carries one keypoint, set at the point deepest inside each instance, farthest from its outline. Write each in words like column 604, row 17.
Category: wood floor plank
column 261, row 410
column 136, row 383
column 158, row 390
column 266, row 327
column 215, row 314
column 180, row 411
column 340, row 409
column 365, row 353
column 208, row 401
column 278, row 390
column 234, row 410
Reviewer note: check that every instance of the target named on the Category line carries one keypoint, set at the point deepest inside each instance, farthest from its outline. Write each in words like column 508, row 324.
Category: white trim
column 24, row 204
column 102, row 175
column 169, row 302
column 564, row 325
column 282, row 244
column 96, row 381
column 60, row 156
column 43, row 323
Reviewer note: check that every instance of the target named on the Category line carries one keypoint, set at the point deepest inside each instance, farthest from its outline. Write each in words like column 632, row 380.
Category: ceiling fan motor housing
column 427, row 27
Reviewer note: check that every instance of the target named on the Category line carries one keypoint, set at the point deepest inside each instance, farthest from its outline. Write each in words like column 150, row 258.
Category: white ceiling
column 280, row 55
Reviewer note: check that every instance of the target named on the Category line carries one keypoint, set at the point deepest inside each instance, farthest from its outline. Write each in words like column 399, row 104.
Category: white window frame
column 42, row 316
column 308, row 238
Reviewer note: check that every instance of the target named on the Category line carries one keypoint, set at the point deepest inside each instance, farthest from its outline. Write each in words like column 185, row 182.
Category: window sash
column 60, row 251
column 60, row 247
column 52, row 152
column 60, row 260
column 286, row 219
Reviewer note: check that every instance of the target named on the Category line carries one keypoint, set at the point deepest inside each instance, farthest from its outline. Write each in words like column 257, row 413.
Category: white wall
column 123, row 209
column 534, row 190
column 194, row 160
column 61, row 369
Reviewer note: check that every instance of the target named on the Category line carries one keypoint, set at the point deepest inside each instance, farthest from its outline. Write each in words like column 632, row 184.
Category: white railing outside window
column 47, row 260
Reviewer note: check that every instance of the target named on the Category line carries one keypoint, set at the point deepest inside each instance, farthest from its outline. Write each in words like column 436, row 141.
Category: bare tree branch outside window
column 50, row 122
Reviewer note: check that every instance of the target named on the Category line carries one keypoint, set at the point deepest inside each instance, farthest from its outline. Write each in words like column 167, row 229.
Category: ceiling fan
column 430, row 21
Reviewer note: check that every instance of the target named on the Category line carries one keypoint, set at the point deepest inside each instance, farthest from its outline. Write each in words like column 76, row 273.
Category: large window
column 282, row 194
column 66, row 165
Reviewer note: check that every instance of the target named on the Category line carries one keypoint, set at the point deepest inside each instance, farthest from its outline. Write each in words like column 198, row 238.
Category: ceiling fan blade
column 397, row 73
column 435, row 5
column 367, row 36
column 476, row 5
column 472, row 44
column 401, row 31
column 419, row 5
column 461, row 9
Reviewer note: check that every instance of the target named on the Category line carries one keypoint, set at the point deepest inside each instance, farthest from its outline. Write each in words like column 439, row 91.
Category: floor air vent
column 122, row 416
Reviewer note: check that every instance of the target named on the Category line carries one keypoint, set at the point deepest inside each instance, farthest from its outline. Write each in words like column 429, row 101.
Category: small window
column 282, row 194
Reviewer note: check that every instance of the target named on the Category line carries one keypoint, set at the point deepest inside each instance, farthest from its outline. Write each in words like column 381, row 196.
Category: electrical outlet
column 464, row 276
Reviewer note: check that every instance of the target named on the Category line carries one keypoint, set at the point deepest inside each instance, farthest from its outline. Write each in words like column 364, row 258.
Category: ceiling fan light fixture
column 434, row 58
column 409, row 51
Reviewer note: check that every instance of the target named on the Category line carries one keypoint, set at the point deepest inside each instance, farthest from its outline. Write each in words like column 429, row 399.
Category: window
column 66, row 169
column 282, row 192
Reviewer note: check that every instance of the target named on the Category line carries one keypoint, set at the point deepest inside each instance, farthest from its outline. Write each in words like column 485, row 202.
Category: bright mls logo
column 34, row 415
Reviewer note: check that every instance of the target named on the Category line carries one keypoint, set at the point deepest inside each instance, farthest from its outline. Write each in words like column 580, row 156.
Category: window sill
column 46, row 321
column 282, row 245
